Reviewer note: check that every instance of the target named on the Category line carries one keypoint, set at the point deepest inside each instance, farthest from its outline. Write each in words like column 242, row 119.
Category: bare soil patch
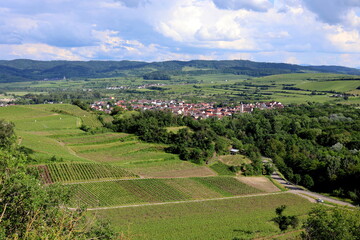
column 193, row 172
column 261, row 183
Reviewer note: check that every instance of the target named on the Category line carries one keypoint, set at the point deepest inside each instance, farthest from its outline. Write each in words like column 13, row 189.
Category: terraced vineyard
column 72, row 172
column 128, row 192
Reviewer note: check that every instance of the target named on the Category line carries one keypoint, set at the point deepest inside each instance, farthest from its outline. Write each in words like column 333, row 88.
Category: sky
column 314, row 32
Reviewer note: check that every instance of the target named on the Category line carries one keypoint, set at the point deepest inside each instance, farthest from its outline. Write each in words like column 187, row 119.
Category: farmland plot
column 72, row 172
column 87, row 118
column 160, row 190
column 244, row 218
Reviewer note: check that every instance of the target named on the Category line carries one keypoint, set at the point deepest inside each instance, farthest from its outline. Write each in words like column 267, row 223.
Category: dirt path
column 178, row 202
column 70, row 150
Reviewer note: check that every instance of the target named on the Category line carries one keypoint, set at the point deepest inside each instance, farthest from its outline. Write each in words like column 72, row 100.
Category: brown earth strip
column 261, row 183
column 45, row 174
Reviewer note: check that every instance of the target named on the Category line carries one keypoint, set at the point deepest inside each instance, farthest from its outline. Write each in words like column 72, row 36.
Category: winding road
column 311, row 196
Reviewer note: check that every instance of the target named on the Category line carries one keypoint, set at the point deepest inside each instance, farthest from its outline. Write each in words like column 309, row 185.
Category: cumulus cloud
column 255, row 5
column 334, row 11
column 36, row 51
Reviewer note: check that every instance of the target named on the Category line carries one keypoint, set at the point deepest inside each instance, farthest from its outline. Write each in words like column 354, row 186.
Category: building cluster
column 138, row 87
column 4, row 102
column 195, row 110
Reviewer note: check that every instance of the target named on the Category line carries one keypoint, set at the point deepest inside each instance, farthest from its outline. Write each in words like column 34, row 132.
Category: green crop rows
column 228, row 186
column 128, row 192
column 221, row 169
column 70, row 172
column 240, row 218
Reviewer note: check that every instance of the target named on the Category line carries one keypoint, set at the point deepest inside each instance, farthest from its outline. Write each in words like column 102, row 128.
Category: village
column 195, row 110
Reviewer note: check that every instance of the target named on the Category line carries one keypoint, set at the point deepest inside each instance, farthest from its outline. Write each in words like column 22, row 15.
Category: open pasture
column 12, row 113
column 298, row 77
column 338, row 86
column 47, row 123
column 160, row 190
column 243, row 218
column 89, row 139
column 89, row 119
column 46, row 147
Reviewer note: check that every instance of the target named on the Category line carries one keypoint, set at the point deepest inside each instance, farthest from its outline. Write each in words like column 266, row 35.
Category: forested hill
column 25, row 70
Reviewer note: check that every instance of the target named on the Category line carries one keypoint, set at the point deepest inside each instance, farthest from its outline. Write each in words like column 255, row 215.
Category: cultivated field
column 234, row 160
column 53, row 130
column 244, row 218
column 73, row 172
column 214, row 87
column 127, row 192
column 221, row 169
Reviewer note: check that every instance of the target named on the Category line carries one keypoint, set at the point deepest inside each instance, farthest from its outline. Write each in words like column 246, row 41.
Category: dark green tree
column 332, row 223
column 284, row 222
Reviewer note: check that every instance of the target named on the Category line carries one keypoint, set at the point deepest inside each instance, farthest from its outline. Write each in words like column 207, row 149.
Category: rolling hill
column 27, row 70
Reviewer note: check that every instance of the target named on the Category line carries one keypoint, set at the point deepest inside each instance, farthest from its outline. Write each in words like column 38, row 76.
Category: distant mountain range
column 29, row 70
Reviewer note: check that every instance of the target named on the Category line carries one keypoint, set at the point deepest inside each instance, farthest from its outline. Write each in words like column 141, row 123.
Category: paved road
column 304, row 193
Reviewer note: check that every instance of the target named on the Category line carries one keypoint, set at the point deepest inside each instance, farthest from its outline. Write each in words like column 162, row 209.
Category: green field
column 338, row 86
column 53, row 130
column 115, row 193
column 234, row 160
column 244, row 218
column 152, row 194
column 221, row 169
column 210, row 87
column 87, row 118
column 73, row 172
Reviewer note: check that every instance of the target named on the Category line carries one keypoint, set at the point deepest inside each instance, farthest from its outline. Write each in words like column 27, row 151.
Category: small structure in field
column 234, row 151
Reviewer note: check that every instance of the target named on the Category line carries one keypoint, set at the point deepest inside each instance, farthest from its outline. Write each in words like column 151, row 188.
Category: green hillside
column 52, row 132
column 24, row 70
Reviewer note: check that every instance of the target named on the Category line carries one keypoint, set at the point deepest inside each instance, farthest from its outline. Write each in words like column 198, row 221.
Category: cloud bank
column 295, row 31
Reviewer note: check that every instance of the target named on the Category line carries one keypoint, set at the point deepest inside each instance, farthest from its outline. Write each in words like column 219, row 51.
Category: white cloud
column 348, row 41
column 37, row 51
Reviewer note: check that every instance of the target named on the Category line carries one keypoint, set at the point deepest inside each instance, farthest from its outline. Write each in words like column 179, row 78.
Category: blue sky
column 317, row 32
